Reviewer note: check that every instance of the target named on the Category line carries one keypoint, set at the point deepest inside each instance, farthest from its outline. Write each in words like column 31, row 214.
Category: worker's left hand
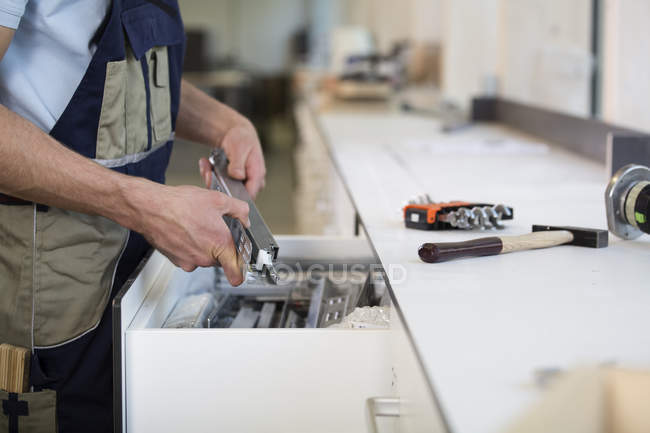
column 244, row 152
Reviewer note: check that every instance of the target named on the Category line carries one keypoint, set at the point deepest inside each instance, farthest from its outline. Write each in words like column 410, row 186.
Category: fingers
column 255, row 173
column 237, row 209
column 188, row 268
column 236, row 159
column 230, row 261
column 205, row 168
column 244, row 153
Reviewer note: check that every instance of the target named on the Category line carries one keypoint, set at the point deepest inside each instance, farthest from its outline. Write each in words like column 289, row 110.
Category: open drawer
column 242, row 380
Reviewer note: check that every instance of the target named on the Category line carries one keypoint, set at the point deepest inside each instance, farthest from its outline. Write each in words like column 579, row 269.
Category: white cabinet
column 257, row 380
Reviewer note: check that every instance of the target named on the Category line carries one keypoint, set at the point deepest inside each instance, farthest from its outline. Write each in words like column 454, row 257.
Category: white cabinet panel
column 418, row 409
column 207, row 380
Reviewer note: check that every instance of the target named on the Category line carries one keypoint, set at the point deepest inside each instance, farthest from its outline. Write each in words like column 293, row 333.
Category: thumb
column 238, row 209
column 230, row 261
column 237, row 155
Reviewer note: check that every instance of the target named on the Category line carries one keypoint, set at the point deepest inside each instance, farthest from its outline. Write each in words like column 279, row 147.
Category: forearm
column 35, row 167
column 203, row 119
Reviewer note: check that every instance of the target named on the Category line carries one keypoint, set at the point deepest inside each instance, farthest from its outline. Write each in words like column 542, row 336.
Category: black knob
column 642, row 210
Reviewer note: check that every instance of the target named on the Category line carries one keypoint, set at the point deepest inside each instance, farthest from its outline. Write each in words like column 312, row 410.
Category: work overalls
column 60, row 269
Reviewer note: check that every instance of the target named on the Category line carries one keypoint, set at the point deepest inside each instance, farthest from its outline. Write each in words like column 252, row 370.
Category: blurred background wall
column 538, row 50
column 584, row 57
column 255, row 32
column 626, row 72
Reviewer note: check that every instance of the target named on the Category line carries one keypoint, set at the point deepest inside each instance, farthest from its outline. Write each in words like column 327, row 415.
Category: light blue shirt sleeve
column 11, row 11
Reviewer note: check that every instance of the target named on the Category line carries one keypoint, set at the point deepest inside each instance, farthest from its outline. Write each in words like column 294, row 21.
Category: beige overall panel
column 123, row 121
column 160, row 94
column 16, row 246
column 136, row 105
column 41, row 416
column 76, row 259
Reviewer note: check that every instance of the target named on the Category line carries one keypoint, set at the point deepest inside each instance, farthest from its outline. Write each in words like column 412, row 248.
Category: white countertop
column 482, row 326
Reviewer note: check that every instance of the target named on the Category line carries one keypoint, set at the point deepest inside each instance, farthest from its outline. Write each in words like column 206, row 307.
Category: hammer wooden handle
column 441, row 252
column 535, row 240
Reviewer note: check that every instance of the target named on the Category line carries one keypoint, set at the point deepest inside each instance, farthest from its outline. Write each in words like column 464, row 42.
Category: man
column 91, row 96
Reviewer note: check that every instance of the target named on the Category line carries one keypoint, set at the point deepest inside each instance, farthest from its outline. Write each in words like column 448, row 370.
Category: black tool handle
column 441, row 252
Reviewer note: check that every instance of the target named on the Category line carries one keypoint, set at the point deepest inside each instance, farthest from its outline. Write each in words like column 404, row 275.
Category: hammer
column 542, row 237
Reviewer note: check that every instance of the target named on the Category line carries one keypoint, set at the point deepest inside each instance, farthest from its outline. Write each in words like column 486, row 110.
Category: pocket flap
column 148, row 26
column 161, row 67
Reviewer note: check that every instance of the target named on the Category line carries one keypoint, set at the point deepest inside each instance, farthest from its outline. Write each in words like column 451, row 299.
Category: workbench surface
column 483, row 326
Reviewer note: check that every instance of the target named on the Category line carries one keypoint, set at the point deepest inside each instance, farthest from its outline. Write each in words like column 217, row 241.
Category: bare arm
column 203, row 119
column 6, row 35
column 179, row 221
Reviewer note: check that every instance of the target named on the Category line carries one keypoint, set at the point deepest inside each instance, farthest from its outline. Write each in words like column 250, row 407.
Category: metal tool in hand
column 542, row 237
column 257, row 250
column 627, row 200
column 424, row 214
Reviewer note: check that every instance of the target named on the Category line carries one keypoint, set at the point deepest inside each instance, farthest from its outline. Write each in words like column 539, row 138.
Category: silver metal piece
column 615, row 197
column 502, row 210
column 254, row 283
column 333, row 310
column 292, row 320
column 329, row 302
column 256, row 247
column 272, row 274
column 246, row 318
column 421, row 199
column 381, row 406
column 479, row 218
column 484, row 217
column 462, row 218
column 316, row 303
column 191, row 311
column 493, row 217
column 266, row 315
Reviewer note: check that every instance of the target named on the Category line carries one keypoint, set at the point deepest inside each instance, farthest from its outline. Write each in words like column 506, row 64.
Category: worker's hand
column 187, row 226
column 245, row 159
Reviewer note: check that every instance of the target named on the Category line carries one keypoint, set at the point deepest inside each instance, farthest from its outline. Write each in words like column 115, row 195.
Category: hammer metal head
column 582, row 237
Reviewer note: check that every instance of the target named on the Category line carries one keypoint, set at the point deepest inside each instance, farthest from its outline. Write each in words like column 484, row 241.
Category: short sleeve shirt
column 48, row 55
column 11, row 11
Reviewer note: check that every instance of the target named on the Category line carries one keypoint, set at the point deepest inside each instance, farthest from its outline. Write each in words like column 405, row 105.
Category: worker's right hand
column 187, row 226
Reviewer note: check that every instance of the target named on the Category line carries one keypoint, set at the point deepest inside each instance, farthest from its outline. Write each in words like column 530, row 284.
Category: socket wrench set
column 423, row 213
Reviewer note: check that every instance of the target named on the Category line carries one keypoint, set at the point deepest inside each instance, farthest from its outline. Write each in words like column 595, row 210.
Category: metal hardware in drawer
column 313, row 299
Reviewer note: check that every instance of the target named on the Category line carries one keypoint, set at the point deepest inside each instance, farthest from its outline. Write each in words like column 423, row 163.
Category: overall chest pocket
column 161, row 119
column 136, row 107
column 111, row 132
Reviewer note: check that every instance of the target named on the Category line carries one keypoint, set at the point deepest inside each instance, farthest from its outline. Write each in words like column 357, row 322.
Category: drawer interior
column 319, row 286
